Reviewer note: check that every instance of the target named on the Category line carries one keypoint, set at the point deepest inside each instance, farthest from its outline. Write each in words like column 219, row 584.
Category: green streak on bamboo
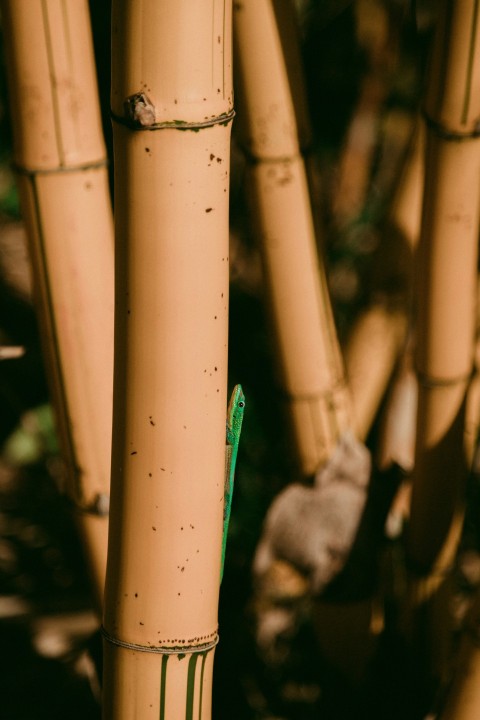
column 471, row 55
column 163, row 686
column 191, row 686
column 204, row 658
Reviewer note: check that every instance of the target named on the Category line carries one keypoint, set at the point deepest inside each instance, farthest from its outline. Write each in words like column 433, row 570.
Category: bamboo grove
column 241, row 225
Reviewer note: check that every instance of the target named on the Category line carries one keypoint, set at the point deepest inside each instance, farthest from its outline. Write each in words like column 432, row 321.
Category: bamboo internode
column 172, row 106
column 60, row 159
column 274, row 130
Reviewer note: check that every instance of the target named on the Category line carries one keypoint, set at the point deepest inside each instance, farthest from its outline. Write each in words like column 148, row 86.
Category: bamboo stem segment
column 172, row 106
column 273, row 131
column 447, row 285
column 60, row 159
column 463, row 700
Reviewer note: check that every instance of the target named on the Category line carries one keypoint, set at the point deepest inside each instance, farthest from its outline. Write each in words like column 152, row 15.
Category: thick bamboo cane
column 60, row 159
column 273, row 132
column 172, row 107
column 447, row 286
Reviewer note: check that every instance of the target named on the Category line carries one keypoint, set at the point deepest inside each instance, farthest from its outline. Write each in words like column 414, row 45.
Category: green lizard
column 236, row 407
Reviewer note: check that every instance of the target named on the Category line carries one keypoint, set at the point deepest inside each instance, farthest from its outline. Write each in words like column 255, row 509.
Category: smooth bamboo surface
column 172, row 106
column 60, row 159
column 371, row 353
column 273, row 132
column 447, row 286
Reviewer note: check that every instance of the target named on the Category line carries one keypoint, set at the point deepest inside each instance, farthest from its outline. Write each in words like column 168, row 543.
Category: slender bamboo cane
column 380, row 331
column 370, row 357
column 447, row 282
column 60, row 160
column 172, row 107
column 273, row 132
column 397, row 436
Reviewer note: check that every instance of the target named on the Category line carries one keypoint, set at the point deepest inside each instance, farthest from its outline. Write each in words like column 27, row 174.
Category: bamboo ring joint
column 447, row 134
column 159, row 649
column 32, row 172
column 140, row 115
column 429, row 381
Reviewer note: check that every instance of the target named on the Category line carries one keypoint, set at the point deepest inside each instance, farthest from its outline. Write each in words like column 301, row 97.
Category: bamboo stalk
column 447, row 279
column 395, row 261
column 379, row 333
column 371, row 353
column 60, row 161
column 463, row 698
column 273, row 133
column 172, row 107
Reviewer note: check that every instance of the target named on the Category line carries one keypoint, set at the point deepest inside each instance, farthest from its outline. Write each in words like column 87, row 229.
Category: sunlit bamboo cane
column 274, row 130
column 172, row 107
column 60, row 159
column 447, row 286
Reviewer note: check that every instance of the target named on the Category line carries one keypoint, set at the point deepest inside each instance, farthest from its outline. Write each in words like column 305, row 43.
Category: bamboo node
column 162, row 649
column 99, row 505
column 429, row 381
column 81, row 167
column 448, row 134
column 134, row 122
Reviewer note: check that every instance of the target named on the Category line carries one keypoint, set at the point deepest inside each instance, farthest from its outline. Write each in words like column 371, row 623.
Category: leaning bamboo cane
column 273, row 133
column 447, row 286
column 172, row 107
column 380, row 332
column 60, row 161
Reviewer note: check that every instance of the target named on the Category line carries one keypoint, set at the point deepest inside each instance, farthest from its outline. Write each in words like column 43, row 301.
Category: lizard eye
column 241, row 404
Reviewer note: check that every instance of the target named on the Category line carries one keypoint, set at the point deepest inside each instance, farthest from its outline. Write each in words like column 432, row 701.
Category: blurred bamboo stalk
column 376, row 35
column 172, row 108
column 447, row 291
column 379, row 334
column 371, row 354
column 60, row 160
column 274, row 131
column 463, row 697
